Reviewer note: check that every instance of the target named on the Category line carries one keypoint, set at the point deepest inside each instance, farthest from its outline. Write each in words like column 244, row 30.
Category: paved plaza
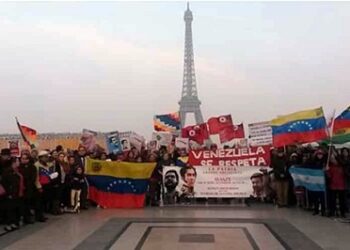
column 256, row 227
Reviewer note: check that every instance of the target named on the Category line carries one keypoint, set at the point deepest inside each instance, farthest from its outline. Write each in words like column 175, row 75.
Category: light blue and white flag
column 311, row 179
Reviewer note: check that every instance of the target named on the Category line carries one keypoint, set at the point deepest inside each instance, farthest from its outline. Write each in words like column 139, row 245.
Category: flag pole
column 330, row 133
column 20, row 130
column 22, row 134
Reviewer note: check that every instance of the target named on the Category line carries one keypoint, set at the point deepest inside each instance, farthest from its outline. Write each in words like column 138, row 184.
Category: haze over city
column 113, row 65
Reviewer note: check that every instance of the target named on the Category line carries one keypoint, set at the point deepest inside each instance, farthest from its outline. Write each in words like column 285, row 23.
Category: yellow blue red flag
column 118, row 184
column 299, row 127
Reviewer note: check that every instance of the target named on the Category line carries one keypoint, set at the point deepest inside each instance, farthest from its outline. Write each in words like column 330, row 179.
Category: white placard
column 260, row 134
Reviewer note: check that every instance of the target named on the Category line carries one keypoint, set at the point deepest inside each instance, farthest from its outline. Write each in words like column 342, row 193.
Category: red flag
column 239, row 131
column 29, row 135
column 197, row 133
column 216, row 124
column 231, row 132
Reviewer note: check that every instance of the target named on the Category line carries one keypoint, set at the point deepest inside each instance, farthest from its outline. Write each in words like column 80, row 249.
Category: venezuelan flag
column 300, row 127
column 341, row 127
column 118, row 184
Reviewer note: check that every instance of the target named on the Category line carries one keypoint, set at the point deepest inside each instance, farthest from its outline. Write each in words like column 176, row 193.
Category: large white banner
column 260, row 134
column 214, row 181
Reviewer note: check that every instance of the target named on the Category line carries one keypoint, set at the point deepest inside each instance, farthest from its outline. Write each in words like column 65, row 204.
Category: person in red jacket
column 337, row 185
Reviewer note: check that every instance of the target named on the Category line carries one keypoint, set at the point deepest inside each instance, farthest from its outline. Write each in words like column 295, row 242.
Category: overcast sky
column 112, row 66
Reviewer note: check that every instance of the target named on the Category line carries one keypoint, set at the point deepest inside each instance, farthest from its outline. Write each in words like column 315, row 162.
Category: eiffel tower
column 189, row 102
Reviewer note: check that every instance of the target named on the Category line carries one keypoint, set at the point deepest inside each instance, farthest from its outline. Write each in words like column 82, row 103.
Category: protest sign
column 113, row 143
column 260, row 134
column 250, row 156
column 14, row 148
column 213, row 181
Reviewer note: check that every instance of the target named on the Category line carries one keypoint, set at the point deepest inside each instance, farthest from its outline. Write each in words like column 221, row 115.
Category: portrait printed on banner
column 257, row 180
column 88, row 140
column 188, row 176
column 153, row 145
column 114, row 144
column 171, row 180
column 125, row 144
column 263, row 185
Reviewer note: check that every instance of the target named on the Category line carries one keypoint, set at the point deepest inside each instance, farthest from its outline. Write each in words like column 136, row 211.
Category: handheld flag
column 198, row 133
column 341, row 127
column 231, row 132
column 311, row 179
column 118, row 184
column 300, row 127
column 217, row 124
column 167, row 123
column 28, row 134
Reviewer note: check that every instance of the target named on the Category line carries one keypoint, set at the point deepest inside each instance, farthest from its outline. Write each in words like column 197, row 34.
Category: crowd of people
column 40, row 182
column 53, row 181
column 44, row 182
column 336, row 165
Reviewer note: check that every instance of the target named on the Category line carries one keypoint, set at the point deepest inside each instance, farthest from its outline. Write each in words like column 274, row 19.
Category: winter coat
column 279, row 165
column 77, row 181
column 11, row 183
column 29, row 173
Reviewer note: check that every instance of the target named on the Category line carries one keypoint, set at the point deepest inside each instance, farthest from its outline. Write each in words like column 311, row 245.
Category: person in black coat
column 5, row 158
column 57, row 187
column 11, row 183
column 77, row 183
column 80, row 160
column 80, row 157
column 32, row 196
